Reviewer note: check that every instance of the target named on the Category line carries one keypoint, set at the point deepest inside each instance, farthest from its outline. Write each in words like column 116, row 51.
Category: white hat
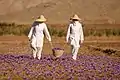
column 41, row 19
column 75, row 16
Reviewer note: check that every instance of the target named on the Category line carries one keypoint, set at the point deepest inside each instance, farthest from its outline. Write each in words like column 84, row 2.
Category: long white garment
column 74, row 52
column 36, row 35
column 37, row 52
column 75, row 34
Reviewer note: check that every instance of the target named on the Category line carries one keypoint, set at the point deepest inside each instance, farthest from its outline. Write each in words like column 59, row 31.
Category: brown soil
column 20, row 45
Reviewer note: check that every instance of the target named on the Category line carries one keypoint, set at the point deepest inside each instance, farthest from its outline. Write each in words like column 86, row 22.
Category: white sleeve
column 30, row 33
column 47, row 33
column 68, row 33
column 81, row 33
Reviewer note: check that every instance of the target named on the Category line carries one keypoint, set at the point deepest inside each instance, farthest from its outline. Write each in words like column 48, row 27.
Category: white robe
column 36, row 35
column 75, row 34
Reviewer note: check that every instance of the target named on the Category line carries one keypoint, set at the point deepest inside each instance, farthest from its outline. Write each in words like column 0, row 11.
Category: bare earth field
column 20, row 44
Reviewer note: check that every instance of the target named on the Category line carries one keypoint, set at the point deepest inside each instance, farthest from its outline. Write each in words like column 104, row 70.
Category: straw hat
column 41, row 18
column 75, row 16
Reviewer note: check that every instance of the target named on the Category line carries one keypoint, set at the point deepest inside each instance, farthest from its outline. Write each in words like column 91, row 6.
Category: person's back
column 36, row 36
column 35, row 23
column 39, row 29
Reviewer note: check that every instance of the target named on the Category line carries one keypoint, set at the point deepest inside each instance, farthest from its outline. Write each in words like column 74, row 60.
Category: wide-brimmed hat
column 75, row 17
column 41, row 18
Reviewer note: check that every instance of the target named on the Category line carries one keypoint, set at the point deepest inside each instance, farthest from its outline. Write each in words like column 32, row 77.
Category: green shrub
column 99, row 34
column 107, row 32
column 58, row 30
column 53, row 31
column 116, row 32
column 1, row 31
column 7, row 24
column 13, row 29
column 61, row 33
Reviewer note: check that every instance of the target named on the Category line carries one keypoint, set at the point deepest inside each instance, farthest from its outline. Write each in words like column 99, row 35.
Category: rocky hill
column 59, row 11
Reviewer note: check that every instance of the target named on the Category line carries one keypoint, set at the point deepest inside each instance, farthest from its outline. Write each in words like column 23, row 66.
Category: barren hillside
column 59, row 11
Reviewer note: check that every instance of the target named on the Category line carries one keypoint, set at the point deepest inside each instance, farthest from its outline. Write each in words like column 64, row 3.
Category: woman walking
column 75, row 35
column 36, row 36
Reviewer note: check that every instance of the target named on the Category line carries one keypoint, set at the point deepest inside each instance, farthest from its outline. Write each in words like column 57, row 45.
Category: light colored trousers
column 74, row 51
column 37, row 52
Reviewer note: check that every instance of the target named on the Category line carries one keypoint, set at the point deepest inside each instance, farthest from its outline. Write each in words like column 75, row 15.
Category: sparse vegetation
column 13, row 29
column 60, row 30
column 102, row 30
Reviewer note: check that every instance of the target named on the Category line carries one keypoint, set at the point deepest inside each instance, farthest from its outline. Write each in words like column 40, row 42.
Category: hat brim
column 40, row 20
column 76, row 19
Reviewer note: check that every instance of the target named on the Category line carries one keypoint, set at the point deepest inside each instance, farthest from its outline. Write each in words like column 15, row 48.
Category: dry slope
column 59, row 11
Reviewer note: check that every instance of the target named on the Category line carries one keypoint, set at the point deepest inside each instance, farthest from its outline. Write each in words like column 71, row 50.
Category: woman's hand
column 30, row 39
column 81, row 41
